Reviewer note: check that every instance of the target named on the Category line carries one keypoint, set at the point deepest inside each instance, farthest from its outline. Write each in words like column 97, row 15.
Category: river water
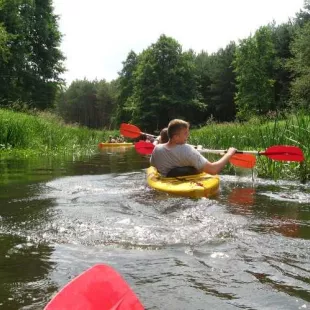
column 247, row 248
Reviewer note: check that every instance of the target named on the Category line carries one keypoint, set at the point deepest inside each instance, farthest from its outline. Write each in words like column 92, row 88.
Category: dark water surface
column 247, row 248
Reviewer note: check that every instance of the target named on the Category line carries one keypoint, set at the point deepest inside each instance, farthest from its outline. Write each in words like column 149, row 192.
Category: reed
column 259, row 134
column 45, row 134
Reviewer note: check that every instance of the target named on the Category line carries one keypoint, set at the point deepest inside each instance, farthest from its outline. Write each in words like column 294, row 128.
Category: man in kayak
column 167, row 158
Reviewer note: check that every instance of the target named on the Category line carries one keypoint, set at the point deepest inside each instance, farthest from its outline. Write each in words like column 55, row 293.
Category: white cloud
column 99, row 34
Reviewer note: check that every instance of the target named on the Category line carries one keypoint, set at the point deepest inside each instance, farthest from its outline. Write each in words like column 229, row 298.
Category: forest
column 265, row 74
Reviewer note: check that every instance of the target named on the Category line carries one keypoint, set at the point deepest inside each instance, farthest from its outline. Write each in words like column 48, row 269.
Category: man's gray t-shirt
column 164, row 158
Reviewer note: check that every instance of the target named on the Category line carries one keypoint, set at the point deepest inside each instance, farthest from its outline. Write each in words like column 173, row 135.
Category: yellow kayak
column 194, row 186
column 126, row 144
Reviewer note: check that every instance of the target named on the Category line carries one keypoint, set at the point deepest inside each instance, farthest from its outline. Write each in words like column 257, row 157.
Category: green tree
column 32, row 72
column 217, row 83
column 79, row 101
column 299, row 64
column 303, row 16
column 107, row 94
column 4, row 57
column 222, row 87
column 204, row 65
column 88, row 103
column 255, row 61
column 165, row 85
column 4, row 50
column 126, row 88
column 282, row 36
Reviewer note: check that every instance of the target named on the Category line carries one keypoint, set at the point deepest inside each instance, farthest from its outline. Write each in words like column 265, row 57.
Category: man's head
column 178, row 131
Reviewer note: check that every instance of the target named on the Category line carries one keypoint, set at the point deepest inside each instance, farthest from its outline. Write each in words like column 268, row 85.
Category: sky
column 99, row 34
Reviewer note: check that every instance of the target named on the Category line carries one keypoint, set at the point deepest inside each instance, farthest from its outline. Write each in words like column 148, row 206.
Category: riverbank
column 45, row 134
column 22, row 134
column 259, row 134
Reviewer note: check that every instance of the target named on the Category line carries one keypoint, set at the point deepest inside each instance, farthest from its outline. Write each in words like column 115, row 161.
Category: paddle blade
column 243, row 160
column 130, row 131
column 99, row 287
column 284, row 153
column 144, row 148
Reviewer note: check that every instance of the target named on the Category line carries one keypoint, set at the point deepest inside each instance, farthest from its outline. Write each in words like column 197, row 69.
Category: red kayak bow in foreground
column 98, row 288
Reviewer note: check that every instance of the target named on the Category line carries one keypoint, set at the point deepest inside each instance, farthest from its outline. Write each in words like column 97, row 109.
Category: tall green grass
column 45, row 134
column 258, row 135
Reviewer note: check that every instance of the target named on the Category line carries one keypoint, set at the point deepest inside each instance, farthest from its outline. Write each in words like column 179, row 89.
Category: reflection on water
column 242, row 196
column 59, row 216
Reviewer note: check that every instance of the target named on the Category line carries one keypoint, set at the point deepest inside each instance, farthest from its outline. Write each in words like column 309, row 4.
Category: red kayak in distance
column 98, row 288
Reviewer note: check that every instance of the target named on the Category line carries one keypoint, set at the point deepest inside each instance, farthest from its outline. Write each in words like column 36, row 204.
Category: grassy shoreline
column 22, row 134
column 44, row 134
column 258, row 135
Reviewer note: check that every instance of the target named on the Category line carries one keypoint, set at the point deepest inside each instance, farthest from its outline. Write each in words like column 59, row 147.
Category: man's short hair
column 175, row 126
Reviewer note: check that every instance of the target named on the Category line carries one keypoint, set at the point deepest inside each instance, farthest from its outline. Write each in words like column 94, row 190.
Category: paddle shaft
column 276, row 152
column 147, row 134
column 241, row 152
column 225, row 151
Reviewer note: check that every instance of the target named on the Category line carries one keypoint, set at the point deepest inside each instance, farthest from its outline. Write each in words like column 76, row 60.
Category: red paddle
column 239, row 160
column 276, row 152
column 98, row 288
column 243, row 160
column 132, row 131
column 144, row 148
